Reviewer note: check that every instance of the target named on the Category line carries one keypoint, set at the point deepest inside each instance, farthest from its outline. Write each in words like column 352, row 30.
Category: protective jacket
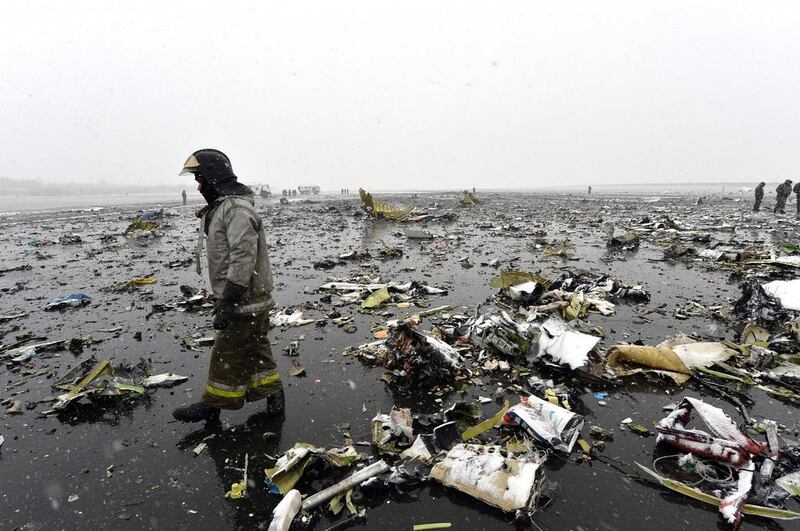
column 237, row 250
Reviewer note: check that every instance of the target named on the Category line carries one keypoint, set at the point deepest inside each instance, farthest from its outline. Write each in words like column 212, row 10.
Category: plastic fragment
column 166, row 379
column 285, row 511
column 546, row 422
column 238, row 491
column 564, row 345
column 73, row 300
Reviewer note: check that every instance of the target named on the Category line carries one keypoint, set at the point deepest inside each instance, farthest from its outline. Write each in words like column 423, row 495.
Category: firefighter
column 783, row 191
column 242, row 367
column 759, row 196
column 796, row 191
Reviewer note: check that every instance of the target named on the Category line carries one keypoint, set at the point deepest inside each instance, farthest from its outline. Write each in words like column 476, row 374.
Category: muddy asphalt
column 156, row 481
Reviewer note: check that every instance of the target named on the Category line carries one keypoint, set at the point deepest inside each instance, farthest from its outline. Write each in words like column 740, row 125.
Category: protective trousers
column 780, row 204
column 242, row 367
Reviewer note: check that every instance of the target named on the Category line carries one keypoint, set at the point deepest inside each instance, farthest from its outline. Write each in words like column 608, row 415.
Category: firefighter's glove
column 225, row 306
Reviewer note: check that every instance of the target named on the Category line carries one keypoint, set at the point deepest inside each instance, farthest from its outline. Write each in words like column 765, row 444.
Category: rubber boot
column 196, row 412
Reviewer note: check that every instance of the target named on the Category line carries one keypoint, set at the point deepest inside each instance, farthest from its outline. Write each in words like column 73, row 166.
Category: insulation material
column 489, row 474
column 564, row 345
column 786, row 291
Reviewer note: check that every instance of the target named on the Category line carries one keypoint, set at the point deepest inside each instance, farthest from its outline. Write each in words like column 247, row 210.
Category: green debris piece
column 638, row 429
column 238, row 491
column 558, row 250
column 92, row 378
column 725, row 376
column 377, row 298
column 585, row 446
column 425, row 527
column 289, row 468
column 141, row 224
column 348, row 501
column 578, row 306
column 486, row 425
column 794, row 491
column 382, row 210
column 512, row 278
column 341, row 457
column 599, row 433
column 789, row 247
column 335, row 505
column 120, row 386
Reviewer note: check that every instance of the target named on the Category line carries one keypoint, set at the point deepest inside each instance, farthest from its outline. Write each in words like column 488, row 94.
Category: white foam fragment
column 486, row 474
column 787, row 291
column 564, row 345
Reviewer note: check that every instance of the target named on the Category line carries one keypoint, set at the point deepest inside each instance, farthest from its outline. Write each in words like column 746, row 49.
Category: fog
column 401, row 95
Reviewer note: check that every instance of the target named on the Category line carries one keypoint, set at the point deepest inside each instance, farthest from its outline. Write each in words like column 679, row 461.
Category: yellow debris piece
column 379, row 209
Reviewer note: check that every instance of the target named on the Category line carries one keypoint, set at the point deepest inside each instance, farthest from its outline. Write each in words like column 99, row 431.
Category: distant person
column 242, row 367
column 183, row 196
column 590, row 189
column 759, row 196
column 784, row 190
column 796, row 191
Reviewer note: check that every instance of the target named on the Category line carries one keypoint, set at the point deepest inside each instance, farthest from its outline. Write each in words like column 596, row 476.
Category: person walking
column 242, row 368
column 759, row 196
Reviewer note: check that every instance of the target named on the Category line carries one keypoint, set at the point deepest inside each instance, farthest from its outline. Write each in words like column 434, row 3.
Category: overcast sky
column 402, row 94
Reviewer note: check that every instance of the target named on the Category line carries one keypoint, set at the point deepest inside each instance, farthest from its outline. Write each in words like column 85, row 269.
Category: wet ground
column 156, row 481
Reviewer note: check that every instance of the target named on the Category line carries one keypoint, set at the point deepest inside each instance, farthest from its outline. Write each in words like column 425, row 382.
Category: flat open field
column 123, row 463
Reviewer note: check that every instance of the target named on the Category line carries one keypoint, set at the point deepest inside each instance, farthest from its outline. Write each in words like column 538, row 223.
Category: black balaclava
column 213, row 172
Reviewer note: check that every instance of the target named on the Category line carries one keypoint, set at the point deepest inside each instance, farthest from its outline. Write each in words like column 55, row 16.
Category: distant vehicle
column 264, row 191
column 308, row 190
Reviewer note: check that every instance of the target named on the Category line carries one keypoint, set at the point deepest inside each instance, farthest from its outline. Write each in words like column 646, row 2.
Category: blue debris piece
column 151, row 214
column 70, row 301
